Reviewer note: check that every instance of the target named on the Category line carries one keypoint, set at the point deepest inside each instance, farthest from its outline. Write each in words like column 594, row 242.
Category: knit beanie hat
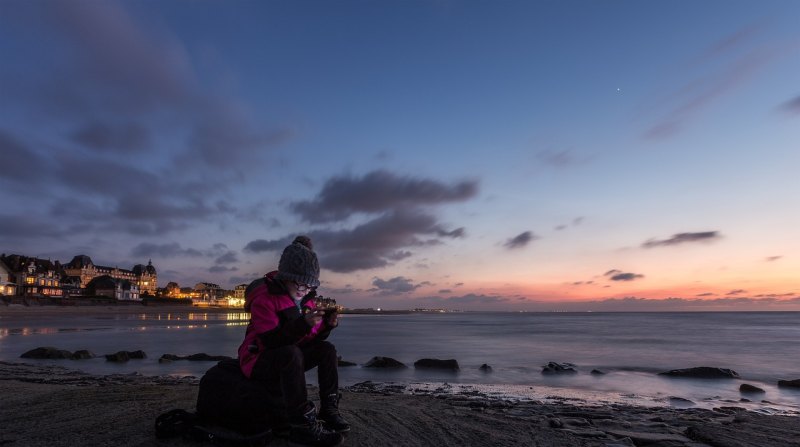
column 299, row 262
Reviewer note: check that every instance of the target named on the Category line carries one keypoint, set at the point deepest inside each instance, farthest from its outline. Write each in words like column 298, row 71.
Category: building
column 206, row 291
column 120, row 289
column 238, row 292
column 33, row 276
column 8, row 285
column 144, row 277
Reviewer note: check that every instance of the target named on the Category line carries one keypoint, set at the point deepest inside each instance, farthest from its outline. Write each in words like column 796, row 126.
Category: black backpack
column 232, row 410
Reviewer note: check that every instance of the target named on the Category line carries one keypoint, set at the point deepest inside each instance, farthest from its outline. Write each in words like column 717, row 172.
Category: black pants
column 286, row 367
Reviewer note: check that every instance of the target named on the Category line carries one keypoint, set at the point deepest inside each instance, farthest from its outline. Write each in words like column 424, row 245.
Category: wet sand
column 55, row 406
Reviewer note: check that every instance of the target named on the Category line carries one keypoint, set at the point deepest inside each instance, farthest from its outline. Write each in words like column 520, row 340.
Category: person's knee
column 288, row 355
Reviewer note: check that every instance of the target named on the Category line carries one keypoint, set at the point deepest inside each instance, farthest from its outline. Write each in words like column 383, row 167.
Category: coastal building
column 238, row 292
column 7, row 284
column 206, row 291
column 145, row 277
column 33, row 276
column 120, row 289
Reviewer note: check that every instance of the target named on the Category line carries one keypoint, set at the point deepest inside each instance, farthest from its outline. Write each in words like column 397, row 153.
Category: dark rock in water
column 747, row 388
column 83, row 354
column 121, row 356
column 124, row 356
column 344, row 362
column 450, row 364
column 559, row 368
column 169, row 358
column 47, row 352
column 485, row 368
column 138, row 354
column 789, row 383
column 384, row 362
column 597, row 372
column 702, row 372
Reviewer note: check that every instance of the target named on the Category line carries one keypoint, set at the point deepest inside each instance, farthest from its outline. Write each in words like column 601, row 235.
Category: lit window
column 30, row 280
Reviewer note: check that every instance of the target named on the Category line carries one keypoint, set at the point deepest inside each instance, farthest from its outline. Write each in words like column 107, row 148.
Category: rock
column 680, row 402
column 789, row 383
column 702, row 372
column 83, row 354
column 124, row 356
column 485, row 368
column 384, row 362
column 449, row 364
column 169, row 358
column 47, row 352
column 747, row 388
column 344, row 362
column 597, row 372
column 559, row 368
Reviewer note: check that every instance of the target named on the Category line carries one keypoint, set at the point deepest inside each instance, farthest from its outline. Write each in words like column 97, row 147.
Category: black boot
column 330, row 416
column 306, row 430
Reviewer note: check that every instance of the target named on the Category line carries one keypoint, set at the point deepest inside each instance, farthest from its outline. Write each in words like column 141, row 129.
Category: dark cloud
column 792, row 106
column 227, row 258
column 13, row 228
column 378, row 191
column 221, row 268
column 147, row 250
column 773, row 258
column 376, row 243
column 20, row 163
column 520, row 240
column 617, row 275
column 736, row 292
column 681, row 238
column 706, row 294
column 398, row 284
column 106, row 137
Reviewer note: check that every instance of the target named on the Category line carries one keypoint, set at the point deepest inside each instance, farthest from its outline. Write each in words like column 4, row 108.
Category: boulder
column 485, row 368
column 47, row 352
column 702, row 372
column 384, row 362
column 124, row 356
column 83, row 354
column 449, row 364
column 341, row 362
column 559, row 368
column 747, row 388
column 203, row 357
column 789, row 383
column 597, row 372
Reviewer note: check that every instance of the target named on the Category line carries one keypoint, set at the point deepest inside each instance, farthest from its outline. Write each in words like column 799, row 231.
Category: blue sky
column 474, row 155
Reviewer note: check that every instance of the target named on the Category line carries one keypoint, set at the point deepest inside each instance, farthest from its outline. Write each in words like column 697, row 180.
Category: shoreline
column 55, row 406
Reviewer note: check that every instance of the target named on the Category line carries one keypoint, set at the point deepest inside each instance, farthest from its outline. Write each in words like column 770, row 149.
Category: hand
column 313, row 317
column 332, row 319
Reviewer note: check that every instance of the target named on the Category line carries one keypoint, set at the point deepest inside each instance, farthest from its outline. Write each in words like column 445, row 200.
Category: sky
column 477, row 155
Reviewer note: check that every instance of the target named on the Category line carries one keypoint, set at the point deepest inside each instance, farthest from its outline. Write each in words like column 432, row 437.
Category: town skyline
column 468, row 155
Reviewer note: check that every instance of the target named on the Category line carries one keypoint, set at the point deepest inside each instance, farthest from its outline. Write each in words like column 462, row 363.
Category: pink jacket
column 275, row 321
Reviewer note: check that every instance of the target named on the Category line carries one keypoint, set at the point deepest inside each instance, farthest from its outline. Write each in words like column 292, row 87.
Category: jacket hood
column 273, row 286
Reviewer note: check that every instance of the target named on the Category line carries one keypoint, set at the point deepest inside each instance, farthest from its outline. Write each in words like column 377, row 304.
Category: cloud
column 147, row 250
column 221, row 268
column 520, row 240
column 20, row 163
column 617, row 275
column 558, row 159
column 699, row 93
column 376, row 192
column 227, row 258
column 681, row 238
column 108, row 137
column 792, row 106
column 398, row 284
column 736, row 292
column 773, row 258
column 377, row 243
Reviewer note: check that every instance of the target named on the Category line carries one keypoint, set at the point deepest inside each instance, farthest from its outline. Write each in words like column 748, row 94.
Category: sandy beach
column 55, row 406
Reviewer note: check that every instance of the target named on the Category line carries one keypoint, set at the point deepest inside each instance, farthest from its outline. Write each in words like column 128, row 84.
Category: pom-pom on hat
column 299, row 262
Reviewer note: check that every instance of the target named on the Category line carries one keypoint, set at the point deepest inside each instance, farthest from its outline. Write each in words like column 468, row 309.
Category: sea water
column 629, row 348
